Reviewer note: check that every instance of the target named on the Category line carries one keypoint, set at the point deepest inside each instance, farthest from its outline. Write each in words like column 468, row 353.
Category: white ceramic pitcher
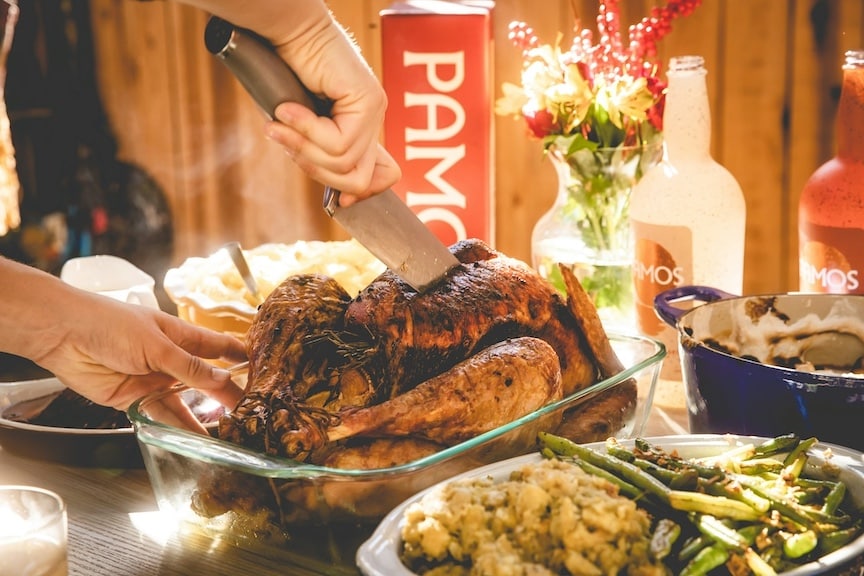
column 111, row 276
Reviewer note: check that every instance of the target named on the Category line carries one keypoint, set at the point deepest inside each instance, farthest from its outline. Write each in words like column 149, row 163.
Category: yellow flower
column 633, row 97
column 511, row 103
column 625, row 97
column 538, row 78
column 572, row 98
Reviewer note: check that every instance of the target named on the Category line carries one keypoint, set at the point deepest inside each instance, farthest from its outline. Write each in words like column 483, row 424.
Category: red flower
column 541, row 123
column 655, row 113
column 606, row 92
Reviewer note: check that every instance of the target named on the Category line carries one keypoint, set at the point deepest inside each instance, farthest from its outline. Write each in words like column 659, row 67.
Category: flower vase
column 588, row 227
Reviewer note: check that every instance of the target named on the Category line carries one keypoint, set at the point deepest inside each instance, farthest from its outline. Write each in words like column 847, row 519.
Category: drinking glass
column 32, row 532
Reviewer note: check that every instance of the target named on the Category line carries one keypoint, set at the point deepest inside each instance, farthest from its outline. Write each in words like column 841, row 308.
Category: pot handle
column 663, row 302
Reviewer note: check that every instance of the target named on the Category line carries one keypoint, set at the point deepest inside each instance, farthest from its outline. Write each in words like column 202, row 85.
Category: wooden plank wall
column 774, row 77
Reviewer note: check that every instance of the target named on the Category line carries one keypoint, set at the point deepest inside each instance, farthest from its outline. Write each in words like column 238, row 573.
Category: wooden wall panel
column 774, row 73
column 750, row 130
column 808, row 106
column 525, row 183
column 182, row 116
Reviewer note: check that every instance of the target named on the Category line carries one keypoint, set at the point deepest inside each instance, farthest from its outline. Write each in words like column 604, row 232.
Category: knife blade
column 383, row 223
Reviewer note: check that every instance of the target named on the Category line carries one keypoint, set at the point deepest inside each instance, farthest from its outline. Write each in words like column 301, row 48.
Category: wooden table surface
column 115, row 528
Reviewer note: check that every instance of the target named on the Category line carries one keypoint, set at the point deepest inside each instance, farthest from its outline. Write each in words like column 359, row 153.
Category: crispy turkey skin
column 488, row 298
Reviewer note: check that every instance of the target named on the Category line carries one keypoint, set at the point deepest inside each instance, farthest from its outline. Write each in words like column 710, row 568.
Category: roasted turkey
column 491, row 342
column 394, row 375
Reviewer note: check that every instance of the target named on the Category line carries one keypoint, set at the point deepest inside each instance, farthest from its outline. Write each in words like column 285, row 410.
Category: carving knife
column 383, row 223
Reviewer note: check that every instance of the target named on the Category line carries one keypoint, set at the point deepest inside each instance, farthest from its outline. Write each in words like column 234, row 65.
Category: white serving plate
column 104, row 447
column 379, row 555
column 99, row 447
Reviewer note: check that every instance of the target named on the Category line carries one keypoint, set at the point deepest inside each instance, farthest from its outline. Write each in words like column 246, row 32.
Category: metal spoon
column 236, row 254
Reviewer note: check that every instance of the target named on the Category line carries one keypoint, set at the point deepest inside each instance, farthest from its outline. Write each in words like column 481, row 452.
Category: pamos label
column 662, row 260
column 436, row 71
column 831, row 259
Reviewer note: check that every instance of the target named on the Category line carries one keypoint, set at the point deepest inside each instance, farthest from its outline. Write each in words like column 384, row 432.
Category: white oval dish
column 74, row 446
column 102, row 447
column 379, row 555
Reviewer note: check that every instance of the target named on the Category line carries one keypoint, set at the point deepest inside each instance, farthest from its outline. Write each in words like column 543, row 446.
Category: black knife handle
column 267, row 78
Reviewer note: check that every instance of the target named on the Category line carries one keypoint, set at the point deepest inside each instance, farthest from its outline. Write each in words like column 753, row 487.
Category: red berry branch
column 621, row 74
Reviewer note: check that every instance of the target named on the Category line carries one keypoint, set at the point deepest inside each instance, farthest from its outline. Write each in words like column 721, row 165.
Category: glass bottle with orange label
column 831, row 207
column 688, row 212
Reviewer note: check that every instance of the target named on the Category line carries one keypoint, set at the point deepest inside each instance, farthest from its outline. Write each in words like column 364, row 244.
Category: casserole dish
column 770, row 365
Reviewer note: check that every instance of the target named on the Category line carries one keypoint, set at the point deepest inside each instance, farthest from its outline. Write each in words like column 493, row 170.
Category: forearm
column 280, row 21
column 28, row 313
column 302, row 31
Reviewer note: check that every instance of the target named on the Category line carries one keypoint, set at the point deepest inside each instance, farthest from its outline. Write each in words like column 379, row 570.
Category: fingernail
column 283, row 116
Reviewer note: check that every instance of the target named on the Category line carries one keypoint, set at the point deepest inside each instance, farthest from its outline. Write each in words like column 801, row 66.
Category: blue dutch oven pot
column 732, row 394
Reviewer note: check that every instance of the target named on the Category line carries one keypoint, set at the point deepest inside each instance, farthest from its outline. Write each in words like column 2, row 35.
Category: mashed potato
column 216, row 278
column 549, row 518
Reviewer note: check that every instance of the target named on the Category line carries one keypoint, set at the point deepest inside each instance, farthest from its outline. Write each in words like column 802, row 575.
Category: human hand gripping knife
column 383, row 223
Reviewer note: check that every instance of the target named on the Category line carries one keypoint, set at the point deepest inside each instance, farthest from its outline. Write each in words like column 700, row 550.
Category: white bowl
column 210, row 292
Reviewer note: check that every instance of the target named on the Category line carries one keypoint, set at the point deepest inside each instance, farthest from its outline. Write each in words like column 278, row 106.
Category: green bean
column 796, row 459
column 778, row 444
column 755, row 466
column 807, row 517
column 810, row 497
column 831, row 541
column 706, row 560
column 618, row 467
column 692, row 547
column 615, row 449
column 643, row 445
column 558, row 444
column 661, row 458
column 750, row 532
column 713, row 528
column 733, row 499
column 683, row 479
column 548, row 453
column 664, row 537
column 737, row 454
column 624, row 487
column 834, row 498
column 800, row 448
column 719, row 506
column 757, row 564
column 746, row 495
column 815, row 492
column 800, row 543
column 814, row 483
column 664, row 475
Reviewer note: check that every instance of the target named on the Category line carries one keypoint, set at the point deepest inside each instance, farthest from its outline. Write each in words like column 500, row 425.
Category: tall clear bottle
column 831, row 207
column 688, row 212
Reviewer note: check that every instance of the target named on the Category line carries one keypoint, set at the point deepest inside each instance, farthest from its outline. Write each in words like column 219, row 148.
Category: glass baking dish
column 252, row 499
